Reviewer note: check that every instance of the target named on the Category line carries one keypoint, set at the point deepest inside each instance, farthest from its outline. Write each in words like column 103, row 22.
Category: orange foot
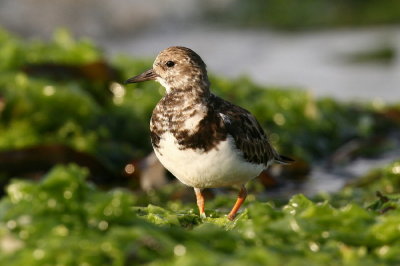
column 200, row 202
column 241, row 197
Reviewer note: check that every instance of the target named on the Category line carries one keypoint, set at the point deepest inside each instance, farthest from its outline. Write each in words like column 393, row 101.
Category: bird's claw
column 231, row 217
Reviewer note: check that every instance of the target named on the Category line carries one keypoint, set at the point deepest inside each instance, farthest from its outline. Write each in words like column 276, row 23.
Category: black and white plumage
column 203, row 140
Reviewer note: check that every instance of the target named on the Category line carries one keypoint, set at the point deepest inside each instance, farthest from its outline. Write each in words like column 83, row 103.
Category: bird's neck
column 191, row 93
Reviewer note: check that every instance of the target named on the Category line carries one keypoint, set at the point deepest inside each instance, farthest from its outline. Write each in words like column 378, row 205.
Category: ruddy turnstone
column 203, row 140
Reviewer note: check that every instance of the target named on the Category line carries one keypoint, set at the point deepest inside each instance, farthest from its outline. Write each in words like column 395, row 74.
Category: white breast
column 222, row 166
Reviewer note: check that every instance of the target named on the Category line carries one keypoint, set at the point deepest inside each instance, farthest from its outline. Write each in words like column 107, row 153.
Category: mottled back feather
column 247, row 133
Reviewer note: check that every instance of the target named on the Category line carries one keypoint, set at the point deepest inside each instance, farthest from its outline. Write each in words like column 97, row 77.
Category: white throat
column 164, row 84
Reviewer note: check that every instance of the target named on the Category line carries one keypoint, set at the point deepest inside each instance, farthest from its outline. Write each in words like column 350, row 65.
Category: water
column 314, row 61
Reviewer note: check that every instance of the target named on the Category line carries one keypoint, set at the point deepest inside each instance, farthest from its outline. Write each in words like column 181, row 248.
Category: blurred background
column 345, row 49
column 322, row 77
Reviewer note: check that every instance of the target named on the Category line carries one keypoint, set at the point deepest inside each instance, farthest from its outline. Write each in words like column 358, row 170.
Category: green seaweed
column 64, row 220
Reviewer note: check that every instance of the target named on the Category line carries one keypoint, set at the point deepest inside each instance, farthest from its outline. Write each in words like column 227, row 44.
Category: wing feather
column 247, row 133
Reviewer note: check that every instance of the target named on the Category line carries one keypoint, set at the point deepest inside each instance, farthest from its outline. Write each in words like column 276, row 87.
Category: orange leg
column 200, row 202
column 241, row 197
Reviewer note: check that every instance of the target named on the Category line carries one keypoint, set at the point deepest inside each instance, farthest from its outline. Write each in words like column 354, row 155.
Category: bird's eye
column 170, row 63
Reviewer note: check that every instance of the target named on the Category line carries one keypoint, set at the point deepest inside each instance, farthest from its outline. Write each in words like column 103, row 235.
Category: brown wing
column 249, row 137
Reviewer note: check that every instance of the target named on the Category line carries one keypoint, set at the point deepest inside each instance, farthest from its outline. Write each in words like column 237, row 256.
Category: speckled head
column 177, row 68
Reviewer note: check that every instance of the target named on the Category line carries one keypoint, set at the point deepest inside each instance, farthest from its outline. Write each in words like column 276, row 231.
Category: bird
column 202, row 139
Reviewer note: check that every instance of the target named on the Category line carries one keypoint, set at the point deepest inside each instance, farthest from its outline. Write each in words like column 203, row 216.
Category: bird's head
column 176, row 68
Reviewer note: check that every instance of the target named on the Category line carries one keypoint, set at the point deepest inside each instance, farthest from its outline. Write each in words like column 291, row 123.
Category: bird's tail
column 282, row 159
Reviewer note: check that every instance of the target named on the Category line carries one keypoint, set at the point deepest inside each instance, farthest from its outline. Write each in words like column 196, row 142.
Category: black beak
column 145, row 76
